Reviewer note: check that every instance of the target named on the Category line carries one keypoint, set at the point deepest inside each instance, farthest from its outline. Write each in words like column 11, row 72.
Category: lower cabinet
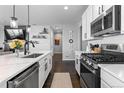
column 104, row 84
column 44, row 69
column 50, row 63
column 41, row 76
column 3, row 85
column 77, row 65
column 108, row 80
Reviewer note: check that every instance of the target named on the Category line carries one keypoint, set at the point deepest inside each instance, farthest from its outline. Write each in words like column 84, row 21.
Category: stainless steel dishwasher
column 26, row 79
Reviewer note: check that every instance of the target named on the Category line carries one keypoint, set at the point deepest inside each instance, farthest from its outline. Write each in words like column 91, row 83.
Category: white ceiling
column 43, row 14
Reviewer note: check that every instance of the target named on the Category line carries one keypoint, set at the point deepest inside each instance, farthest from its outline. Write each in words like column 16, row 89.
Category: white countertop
column 116, row 70
column 79, row 52
column 10, row 65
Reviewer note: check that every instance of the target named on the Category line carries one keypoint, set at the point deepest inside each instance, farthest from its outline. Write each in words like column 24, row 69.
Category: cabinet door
column 106, row 7
column 78, row 67
column 89, row 20
column 50, row 64
column 84, row 26
column 96, row 9
column 46, row 68
column 104, row 84
column 76, row 64
column 41, row 76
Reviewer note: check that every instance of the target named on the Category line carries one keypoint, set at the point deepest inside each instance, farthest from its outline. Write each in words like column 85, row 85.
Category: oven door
column 89, row 77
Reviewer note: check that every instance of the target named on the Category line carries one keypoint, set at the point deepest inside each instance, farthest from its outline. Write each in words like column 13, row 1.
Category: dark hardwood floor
column 60, row 66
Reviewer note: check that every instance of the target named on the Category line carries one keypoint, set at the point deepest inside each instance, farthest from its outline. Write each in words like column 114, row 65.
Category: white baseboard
column 68, row 59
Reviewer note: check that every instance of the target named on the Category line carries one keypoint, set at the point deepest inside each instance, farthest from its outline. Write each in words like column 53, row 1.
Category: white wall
column 119, row 39
column 44, row 44
column 68, row 53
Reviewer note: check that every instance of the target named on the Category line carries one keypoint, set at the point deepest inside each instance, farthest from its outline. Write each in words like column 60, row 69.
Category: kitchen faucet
column 25, row 48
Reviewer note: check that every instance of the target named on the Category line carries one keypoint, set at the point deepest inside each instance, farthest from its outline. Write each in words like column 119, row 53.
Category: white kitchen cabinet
column 111, row 80
column 41, row 75
column 44, row 69
column 50, row 63
column 89, row 20
column 96, row 11
column 84, row 26
column 77, row 61
column 3, row 85
column 106, row 7
column 77, row 65
column 104, row 84
column 86, row 21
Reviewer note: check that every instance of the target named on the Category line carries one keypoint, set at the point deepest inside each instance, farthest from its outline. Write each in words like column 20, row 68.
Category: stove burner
column 104, row 58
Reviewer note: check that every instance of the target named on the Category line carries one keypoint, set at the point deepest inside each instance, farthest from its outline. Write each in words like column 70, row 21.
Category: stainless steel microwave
column 107, row 23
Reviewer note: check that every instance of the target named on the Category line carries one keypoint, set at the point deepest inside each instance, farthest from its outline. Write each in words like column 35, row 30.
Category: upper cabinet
column 106, row 7
column 86, row 20
column 84, row 26
column 97, row 10
column 89, row 20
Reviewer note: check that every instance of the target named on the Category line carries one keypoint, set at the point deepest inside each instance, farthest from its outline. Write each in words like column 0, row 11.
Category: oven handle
column 90, row 69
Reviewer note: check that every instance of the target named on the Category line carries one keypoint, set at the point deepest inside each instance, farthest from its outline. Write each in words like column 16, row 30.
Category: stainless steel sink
column 35, row 55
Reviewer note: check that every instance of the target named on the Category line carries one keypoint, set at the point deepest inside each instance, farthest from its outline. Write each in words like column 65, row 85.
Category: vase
column 17, row 52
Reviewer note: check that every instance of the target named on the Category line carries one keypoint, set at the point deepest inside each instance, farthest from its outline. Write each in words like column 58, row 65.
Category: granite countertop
column 10, row 65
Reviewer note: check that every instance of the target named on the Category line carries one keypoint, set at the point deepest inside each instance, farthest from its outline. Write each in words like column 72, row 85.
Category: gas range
column 110, row 54
column 89, row 69
column 93, row 60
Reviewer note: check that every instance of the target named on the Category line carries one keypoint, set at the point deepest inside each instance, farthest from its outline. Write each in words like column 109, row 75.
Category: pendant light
column 13, row 20
column 28, row 26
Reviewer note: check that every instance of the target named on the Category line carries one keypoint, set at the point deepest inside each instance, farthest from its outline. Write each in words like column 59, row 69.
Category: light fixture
column 28, row 26
column 13, row 20
column 66, row 7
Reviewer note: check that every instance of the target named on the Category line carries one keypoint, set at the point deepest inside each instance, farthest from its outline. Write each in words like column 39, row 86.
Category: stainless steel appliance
column 90, row 72
column 108, row 23
column 26, row 79
column 97, row 26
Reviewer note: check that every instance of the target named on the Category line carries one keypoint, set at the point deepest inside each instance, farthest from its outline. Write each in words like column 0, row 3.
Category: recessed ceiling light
column 66, row 7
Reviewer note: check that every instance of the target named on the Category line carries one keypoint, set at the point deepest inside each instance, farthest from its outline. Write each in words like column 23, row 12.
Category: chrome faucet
column 25, row 48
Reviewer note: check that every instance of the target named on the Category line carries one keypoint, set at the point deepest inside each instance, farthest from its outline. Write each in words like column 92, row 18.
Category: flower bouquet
column 17, row 44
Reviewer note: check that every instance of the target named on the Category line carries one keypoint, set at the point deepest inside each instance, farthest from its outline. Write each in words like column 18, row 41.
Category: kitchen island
column 10, row 65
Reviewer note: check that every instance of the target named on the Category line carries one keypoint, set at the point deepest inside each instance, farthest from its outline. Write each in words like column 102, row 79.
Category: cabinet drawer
column 3, row 85
column 43, row 60
column 104, row 84
column 111, row 80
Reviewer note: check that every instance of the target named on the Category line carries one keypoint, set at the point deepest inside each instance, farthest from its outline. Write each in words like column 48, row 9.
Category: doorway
column 58, row 42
